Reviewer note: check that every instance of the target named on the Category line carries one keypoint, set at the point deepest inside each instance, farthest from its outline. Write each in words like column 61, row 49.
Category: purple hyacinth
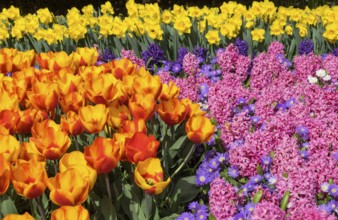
column 200, row 52
column 154, row 55
column 107, row 56
column 181, row 53
column 242, row 47
column 305, row 47
column 335, row 52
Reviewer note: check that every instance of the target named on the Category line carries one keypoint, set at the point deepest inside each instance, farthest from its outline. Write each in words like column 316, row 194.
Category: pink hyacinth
column 188, row 88
column 190, row 64
column 275, row 48
column 312, row 213
column 267, row 211
column 130, row 54
column 222, row 199
column 307, row 65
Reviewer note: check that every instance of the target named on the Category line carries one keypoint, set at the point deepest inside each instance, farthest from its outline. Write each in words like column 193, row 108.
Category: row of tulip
column 259, row 25
column 78, row 140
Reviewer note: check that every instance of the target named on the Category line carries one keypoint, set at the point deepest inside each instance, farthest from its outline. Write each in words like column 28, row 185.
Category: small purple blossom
column 266, row 160
column 241, row 101
column 335, row 155
column 290, row 102
column 186, row 216
column 304, row 154
column 325, row 187
column 255, row 179
column 176, row 68
column 239, row 216
column 333, row 190
column 233, row 172
column 255, row 119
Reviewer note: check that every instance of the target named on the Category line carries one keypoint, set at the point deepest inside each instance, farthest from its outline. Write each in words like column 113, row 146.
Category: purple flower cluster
column 153, row 56
column 198, row 211
column 305, row 47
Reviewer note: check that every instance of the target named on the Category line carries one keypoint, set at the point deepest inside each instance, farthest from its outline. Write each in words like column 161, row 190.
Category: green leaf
column 211, row 217
column 173, row 150
column 257, row 197
column 285, row 200
column 186, row 188
column 8, row 206
column 108, row 209
column 259, row 169
column 171, row 217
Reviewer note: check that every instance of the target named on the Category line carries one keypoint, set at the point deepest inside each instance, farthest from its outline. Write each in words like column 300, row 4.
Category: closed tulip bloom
column 130, row 127
column 70, row 212
column 5, row 175
column 169, row 91
column 10, row 148
column 25, row 216
column 172, row 112
column 8, row 101
column 50, row 139
column 142, row 106
column 23, row 60
column 121, row 68
column 149, row 176
column 103, row 155
column 9, row 119
column 5, row 63
column 43, row 96
column 72, row 124
column 94, row 118
column 29, row 178
column 68, row 82
column 84, row 56
column 59, row 61
column 103, row 89
column 199, row 129
column 148, row 84
column 77, row 160
column 117, row 114
column 72, row 101
column 44, row 58
column 29, row 151
column 68, row 188
column 140, row 147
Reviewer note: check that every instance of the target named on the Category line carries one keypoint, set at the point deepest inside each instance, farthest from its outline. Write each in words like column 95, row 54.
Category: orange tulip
column 10, row 148
column 68, row 188
column 90, row 72
column 8, row 101
column 172, row 112
column 117, row 114
column 44, row 58
column 9, row 119
column 72, row 124
column 102, row 89
column 50, row 139
column 170, row 91
column 140, row 147
column 72, row 101
column 27, row 74
column 68, row 82
column 59, row 61
column 5, row 63
column 5, row 175
column 103, row 155
column 94, row 118
column 148, row 84
column 76, row 159
column 27, row 119
column 25, row 216
column 84, row 56
column 142, row 106
column 29, row 178
column 29, row 151
column 121, row 68
column 199, row 129
column 131, row 127
column 23, row 60
column 127, row 85
column 194, row 108
column 43, row 96
column 149, row 176
column 70, row 212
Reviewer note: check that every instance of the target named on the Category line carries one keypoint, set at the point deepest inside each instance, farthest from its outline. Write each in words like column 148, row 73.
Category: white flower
column 320, row 73
column 327, row 77
column 312, row 79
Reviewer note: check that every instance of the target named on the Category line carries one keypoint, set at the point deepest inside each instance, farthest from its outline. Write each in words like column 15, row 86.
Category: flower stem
column 108, row 185
column 76, row 144
column 55, row 166
column 148, row 199
column 0, row 207
column 185, row 160
column 41, row 209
